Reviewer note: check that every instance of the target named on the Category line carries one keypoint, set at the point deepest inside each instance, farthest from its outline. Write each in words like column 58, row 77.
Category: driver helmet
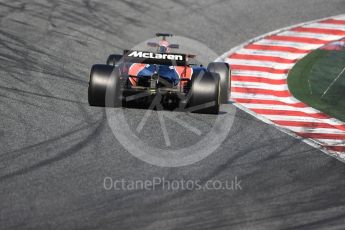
column 163, row 47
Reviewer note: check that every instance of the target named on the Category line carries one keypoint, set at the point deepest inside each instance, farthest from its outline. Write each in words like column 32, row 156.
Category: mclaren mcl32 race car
column 160, row 78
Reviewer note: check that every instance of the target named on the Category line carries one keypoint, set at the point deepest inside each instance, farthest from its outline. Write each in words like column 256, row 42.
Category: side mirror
column 174, row 46
column 152, row 44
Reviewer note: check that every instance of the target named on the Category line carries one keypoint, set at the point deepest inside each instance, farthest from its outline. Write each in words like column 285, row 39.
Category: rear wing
column 164, row 35
column 146, row 57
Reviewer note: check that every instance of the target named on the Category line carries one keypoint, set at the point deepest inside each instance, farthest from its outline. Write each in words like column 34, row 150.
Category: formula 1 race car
column 166, row 78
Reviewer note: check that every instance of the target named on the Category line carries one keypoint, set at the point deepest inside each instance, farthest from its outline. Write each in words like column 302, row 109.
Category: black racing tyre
column 114, row 59
column 204, row 95
column 223, row 69
column 104, row 86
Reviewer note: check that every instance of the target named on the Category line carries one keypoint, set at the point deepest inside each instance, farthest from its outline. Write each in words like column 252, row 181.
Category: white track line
column 335, row 79
column 315, row 130
column 258, row 85
column 299, row 45
column 325, row 26
column 325, row 37
column 286, row 55
column 250, row 73
column 259, row 63
column 331, row 142
column 280, row 107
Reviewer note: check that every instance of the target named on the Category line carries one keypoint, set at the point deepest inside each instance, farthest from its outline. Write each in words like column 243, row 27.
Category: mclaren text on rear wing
column 147, row 57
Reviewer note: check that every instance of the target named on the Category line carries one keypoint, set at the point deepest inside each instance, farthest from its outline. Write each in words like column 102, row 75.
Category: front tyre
column 104, row 86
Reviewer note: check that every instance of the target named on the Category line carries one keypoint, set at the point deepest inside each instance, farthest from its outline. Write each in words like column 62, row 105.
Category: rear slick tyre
column 104, row 87
column 223, row 69
column 205, row 93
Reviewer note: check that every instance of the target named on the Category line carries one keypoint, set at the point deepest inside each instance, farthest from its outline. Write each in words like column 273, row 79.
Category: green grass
column 313, row 76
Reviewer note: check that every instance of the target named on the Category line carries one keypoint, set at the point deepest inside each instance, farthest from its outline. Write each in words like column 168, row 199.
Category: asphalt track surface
column 56, row 150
